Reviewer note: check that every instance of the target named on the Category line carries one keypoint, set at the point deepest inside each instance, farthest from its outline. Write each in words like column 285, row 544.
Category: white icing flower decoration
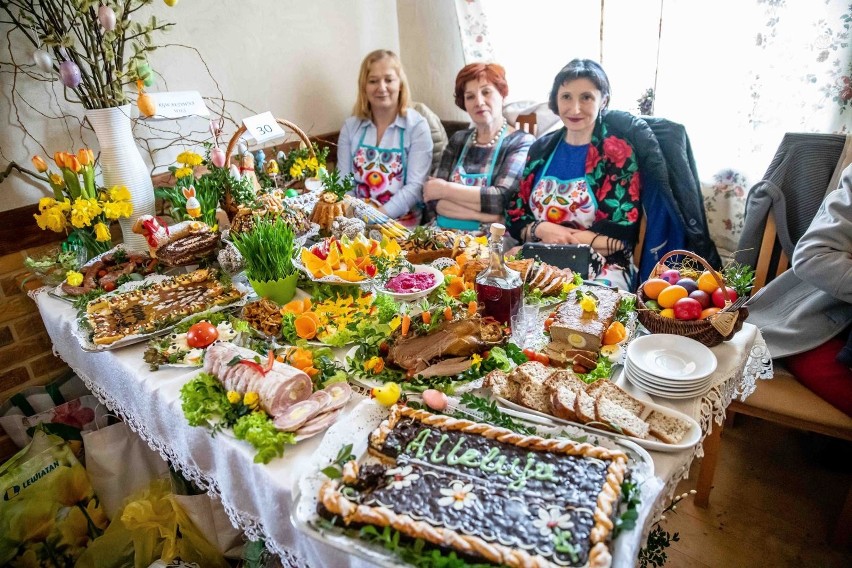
column 458, row 495
column 226, row 332
column 402, row 477
column 549, row 519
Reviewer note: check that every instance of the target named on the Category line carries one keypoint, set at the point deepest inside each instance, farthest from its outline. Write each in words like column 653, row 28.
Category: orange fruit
column 615, row 333
column 707, row 312
column 653, row 287
column 667, row 313
column 670, row 295
column 706, row 282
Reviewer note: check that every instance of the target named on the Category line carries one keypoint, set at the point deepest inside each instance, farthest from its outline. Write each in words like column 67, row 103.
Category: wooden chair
column 782, row 399
column 527, row 123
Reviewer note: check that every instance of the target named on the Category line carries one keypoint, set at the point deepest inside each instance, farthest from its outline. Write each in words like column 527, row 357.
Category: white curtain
column 737, row 73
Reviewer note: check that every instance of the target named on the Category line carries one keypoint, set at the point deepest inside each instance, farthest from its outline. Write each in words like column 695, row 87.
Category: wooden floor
column 777, row 493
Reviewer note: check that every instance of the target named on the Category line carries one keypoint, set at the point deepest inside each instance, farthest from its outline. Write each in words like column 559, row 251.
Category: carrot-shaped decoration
column 472, row 306
column 448, row 313
column 406, row 323
column 426, row 317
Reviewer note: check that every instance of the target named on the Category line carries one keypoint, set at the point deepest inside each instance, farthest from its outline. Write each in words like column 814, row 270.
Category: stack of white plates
column 670, row 366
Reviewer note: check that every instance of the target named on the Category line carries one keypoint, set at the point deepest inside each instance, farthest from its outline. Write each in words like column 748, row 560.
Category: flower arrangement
column 298, row 164
column 97, row 47
column 193, row 197
column 78, row 207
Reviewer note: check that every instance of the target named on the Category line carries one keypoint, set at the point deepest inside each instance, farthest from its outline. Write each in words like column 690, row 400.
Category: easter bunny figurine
column 193, row 206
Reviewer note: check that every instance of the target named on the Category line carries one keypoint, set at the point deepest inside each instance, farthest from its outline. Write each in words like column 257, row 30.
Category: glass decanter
column 499, row 289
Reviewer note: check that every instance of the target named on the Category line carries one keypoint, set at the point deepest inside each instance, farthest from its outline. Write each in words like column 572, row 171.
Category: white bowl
column 409, row 296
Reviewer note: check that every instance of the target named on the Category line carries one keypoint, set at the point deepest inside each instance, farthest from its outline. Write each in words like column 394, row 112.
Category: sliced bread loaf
column 500, row 385
column 621, row 419
column 531, row 378
column 562, row 401
column 584, row 407
column 607, row 388
column 669, row 429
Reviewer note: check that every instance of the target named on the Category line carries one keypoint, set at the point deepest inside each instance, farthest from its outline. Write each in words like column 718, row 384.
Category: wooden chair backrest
column 527, row 123
column 771, row 258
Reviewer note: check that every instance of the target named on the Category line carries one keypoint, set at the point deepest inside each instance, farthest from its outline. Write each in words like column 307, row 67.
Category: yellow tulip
column 40, row 164
column 85, row 156
column 72, row 163
column 102, row 233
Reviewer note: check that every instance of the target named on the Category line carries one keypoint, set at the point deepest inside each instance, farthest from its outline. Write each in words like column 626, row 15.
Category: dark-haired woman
column 581, row 185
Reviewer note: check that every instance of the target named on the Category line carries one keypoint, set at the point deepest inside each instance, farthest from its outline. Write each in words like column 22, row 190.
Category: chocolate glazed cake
column 486, row 492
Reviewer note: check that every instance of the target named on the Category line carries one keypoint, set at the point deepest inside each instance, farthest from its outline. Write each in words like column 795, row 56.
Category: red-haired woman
column 481, row 164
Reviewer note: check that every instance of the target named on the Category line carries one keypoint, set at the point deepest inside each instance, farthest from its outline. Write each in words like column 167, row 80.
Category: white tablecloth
column 258, row 498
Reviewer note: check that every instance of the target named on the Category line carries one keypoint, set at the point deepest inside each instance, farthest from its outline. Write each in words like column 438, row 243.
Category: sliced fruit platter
column 135, row 314
column 345, row 260
column 267, row 403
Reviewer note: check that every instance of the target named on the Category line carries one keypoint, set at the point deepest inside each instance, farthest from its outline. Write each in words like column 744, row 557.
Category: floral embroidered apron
column 380, row 173
column 458, row 175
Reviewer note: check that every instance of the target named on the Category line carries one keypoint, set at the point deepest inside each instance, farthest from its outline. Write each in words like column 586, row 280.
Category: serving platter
column 368, row 415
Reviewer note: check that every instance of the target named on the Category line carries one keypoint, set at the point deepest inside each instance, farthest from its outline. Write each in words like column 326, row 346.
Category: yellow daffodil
column 374, row 365
column 45, row 203
column 295, row 171
column 312, row 165
column 73, row 278
column 234, row 397
column 251, row 400
column 102, row 233
column 52, row 219
column 40, row 164
column 567, row 287
column 57, row 180
column 119, row 193
column 83, row 211
column 183, row 172
column 588, row 304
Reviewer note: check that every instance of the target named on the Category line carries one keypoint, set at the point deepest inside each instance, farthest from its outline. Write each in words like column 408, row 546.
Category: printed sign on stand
column 179, row 104
column 263, row 128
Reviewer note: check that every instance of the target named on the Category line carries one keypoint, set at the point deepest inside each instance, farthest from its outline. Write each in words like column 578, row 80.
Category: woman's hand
column 433, row 189
column 555, row 234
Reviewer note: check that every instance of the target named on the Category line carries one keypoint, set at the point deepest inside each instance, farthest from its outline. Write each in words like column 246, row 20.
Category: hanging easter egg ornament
column 69, row 74
column 43, row 60
column 217, row 156
column 106, row 17
column 146, row 105
column 170, row 3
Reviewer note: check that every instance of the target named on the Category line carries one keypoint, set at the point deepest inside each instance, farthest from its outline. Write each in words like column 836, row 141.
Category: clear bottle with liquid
column 499, row 289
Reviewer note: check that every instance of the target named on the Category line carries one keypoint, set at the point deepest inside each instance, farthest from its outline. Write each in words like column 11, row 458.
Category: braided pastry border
column 599, row 555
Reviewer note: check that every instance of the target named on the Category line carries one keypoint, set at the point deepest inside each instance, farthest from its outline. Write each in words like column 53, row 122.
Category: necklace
column 494, row 140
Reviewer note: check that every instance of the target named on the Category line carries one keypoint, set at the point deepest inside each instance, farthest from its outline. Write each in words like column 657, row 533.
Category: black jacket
column 671, row 191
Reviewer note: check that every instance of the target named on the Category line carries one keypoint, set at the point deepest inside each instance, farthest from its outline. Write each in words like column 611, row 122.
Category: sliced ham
column 279, row 389
column 317, row 424
column 295, row 416
column 340, row 394
column 323, row 398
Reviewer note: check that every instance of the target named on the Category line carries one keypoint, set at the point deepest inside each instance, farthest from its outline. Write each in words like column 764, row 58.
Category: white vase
column 122, row 164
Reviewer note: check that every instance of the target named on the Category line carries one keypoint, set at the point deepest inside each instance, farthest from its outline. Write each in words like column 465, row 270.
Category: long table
column 258, row 498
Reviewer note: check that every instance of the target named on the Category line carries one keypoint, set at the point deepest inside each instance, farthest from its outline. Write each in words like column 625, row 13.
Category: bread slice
column 562, row 401
column 669, row 429
column 612, row 391
column 531, row 378
column 620, row 418
column 500, row 385
column 584, row 407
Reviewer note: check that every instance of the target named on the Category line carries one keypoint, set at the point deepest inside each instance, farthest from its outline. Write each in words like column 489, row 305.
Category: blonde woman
column 386, row 144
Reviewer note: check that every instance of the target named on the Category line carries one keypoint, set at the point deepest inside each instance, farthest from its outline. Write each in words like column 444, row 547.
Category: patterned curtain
column 474, row 31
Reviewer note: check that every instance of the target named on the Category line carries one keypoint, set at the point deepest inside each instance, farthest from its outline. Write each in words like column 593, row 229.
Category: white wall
column 297, row 59
column 431, row 52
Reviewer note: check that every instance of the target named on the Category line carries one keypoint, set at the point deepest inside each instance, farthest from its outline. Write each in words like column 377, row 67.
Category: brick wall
column 26, row 356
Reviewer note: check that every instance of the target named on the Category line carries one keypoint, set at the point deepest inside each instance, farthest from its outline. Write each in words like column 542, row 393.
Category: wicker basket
column 712, row 331
column 232, row 208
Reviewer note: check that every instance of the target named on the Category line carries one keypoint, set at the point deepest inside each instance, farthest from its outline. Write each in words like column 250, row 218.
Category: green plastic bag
column 151, row 526
column 49, row 512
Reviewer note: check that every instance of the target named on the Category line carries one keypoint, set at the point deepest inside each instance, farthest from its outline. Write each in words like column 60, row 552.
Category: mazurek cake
column 483, row 491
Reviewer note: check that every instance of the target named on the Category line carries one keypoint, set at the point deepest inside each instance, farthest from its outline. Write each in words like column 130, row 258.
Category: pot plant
column 267, row 252
column 96, row 48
